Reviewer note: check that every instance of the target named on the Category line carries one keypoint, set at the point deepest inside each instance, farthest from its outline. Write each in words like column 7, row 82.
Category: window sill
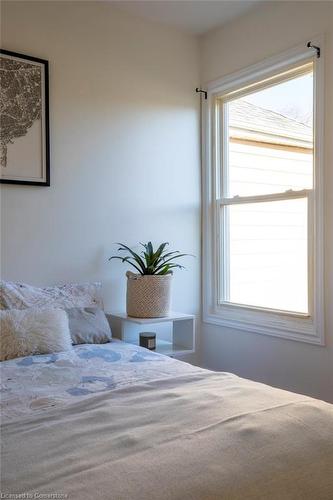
column 266, row 310
column 291, row 328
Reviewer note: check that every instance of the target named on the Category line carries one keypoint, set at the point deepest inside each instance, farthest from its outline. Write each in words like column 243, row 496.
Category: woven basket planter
column 148, row 296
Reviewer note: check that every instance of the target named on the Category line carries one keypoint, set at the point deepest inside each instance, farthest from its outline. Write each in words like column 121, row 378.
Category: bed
column 116, row 421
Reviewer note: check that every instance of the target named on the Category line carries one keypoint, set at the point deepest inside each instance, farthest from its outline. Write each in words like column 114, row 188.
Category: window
column 264, row 200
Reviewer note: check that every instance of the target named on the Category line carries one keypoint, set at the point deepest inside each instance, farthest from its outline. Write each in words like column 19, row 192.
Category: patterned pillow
column 22, row 296
column 33, row 331
column 88, row 325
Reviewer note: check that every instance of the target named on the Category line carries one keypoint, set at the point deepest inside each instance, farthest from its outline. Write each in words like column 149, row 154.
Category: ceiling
column 193, row 16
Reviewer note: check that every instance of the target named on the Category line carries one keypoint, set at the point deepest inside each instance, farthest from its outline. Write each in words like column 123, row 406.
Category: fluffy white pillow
column 33, row 331
column 20, row 295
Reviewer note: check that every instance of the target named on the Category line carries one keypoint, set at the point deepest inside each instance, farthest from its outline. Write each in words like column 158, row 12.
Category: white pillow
column 21, row 295
column 88, row 325
column 33, row 331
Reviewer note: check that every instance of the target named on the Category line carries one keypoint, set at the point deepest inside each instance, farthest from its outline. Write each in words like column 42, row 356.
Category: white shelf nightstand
column 180, row 340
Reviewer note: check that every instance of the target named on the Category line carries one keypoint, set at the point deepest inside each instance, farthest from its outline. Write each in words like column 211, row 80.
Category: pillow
column 33, row 331
column 88, row 325
column 22, row 296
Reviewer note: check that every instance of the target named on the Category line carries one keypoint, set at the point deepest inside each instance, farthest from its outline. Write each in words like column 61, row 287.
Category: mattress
column 116, row 421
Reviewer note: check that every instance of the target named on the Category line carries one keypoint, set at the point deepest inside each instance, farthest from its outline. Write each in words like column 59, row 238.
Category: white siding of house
column 268, row 241
column 270, row 169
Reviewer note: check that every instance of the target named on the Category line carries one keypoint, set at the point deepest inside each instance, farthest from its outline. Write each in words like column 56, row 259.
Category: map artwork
column 20, row 101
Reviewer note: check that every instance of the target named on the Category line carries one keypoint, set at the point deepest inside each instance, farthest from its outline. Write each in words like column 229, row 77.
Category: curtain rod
column 202, row 91
column 309, row 45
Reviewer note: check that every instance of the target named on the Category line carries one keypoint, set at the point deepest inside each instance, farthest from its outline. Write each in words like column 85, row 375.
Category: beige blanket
column 201, row 436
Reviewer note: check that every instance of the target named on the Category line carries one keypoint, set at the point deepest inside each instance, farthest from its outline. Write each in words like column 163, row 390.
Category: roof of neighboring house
column 254, row 123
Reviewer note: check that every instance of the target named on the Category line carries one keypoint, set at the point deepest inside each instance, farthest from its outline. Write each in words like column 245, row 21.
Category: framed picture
column 24, row 120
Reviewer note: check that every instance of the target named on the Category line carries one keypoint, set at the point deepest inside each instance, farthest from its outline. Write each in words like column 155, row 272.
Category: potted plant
column 149, row 289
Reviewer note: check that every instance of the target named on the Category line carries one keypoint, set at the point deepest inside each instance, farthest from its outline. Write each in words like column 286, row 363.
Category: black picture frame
column 45, row 122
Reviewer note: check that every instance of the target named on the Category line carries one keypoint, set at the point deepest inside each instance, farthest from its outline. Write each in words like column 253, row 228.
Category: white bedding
column 118, row 422
column 35, row 383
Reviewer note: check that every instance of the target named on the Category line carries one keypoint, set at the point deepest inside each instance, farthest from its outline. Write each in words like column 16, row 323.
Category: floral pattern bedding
column 35, row 383
column 21, row 295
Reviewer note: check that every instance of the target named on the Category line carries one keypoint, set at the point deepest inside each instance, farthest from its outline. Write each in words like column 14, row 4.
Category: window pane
column 267, row 248
column 270, row 139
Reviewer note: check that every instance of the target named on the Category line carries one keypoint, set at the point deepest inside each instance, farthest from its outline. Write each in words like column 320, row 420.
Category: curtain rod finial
column 198, row 90
column 311, row 46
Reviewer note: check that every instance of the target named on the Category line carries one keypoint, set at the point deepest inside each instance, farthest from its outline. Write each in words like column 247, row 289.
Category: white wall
column 124, row 148
column 268, row 30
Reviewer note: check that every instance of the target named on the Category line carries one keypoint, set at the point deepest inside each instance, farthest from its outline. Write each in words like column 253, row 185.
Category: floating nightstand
column 179, row 341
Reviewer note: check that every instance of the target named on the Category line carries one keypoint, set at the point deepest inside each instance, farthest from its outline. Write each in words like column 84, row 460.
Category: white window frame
column 305, row 328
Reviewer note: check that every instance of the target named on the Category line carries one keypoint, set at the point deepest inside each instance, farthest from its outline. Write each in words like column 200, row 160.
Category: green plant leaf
column 149, row 262
column 164, row 271
column 158, row 255
column 170, row 260
column 168, row 269
column 127, row 259
column 136, row 256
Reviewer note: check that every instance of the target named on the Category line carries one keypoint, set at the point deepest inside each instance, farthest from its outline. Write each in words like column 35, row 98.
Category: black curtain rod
column 311, row 46
column 202, row 91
